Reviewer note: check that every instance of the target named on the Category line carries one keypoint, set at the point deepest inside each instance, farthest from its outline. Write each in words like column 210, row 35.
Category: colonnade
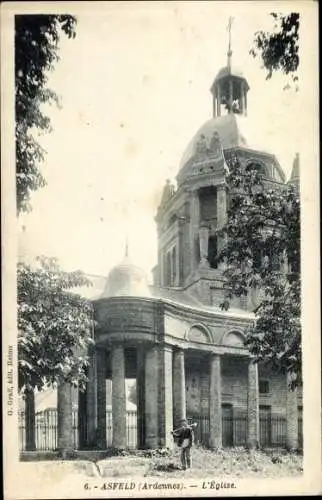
column 161, row 399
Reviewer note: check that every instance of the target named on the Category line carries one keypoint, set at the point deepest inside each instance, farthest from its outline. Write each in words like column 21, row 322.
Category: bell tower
column 229, row 90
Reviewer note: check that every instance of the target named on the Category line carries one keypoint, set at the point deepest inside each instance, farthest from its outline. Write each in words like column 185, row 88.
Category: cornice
column 198, row 314
column 206, row 347
column 162, row 305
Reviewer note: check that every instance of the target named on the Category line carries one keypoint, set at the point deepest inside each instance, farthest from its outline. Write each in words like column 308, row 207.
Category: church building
column 186, row 354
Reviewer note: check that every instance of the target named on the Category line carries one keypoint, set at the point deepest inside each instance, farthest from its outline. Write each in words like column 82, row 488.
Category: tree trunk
column 65, row 418
column 30, row 420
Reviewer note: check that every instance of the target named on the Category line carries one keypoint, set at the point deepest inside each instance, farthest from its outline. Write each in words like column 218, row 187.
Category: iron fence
column 234, row 430
column 201, row 433
column 272, row 430
column 46, row 430
column 131, row 429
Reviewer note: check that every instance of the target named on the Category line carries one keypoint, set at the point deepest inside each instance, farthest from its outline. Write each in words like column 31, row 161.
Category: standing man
column 185, row 436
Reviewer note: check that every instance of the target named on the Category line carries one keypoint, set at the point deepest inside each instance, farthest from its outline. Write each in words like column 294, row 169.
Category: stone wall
column 234, row 389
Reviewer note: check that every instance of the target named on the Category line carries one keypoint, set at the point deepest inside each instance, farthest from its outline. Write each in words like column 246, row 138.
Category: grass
column 236, row 462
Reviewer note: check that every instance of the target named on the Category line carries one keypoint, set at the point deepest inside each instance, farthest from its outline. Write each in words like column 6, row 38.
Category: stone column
column 194, row 228
column 30, row 419
column 165, row 406
column 291, row 416
column 140, row 396
column 221, row 206
column 118, row 398
column 151, row 398
column 173, row 259
column 252, row 406
column 65, row 417
column 221, row 216
column 180, row 255
column 178, row 273
column 101, row 398
column 179, row 387
column 91, row 402
column 215, row 423
column 163, row 270
column 203, row 244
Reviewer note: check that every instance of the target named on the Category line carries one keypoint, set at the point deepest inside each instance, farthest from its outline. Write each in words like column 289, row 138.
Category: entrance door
column 227, row 425
column 265, row 425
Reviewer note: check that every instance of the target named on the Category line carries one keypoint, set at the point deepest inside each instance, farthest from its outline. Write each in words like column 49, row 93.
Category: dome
column 126, row 279
column 229, row 71
column 234, row 131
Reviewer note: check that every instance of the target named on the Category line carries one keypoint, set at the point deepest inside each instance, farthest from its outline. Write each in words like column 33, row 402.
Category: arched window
column 233, row 338
column 198, row 334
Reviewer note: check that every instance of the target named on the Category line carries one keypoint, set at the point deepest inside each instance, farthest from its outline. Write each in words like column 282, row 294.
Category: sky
column 134, row 86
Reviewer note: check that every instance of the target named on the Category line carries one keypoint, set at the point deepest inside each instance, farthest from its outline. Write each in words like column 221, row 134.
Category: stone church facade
column 186, row 354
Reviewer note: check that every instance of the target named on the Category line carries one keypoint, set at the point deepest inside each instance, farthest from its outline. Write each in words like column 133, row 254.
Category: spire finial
column 229, row 53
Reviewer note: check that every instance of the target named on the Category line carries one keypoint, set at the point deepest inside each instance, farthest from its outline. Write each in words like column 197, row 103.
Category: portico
column 167, row 367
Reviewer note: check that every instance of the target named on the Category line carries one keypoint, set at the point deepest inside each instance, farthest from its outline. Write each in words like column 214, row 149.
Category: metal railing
column 234, row 430
column 272, row 430
column 46, row 430
column 131, row 428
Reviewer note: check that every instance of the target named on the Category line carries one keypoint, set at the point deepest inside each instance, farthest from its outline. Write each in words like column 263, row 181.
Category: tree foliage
column 262, row 255
column 54, row 325
column 279, row 49
column 36, row 53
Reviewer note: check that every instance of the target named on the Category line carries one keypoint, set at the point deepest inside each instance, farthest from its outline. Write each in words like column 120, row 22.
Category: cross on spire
column 229, row 53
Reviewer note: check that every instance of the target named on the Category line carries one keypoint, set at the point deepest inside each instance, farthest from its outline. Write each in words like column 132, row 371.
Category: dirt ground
column 236, row 462
column 94, row 472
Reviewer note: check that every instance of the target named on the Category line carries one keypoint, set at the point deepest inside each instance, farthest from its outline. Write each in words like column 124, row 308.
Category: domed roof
column 234, row 131
column 126, row 279
column 229, row 71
